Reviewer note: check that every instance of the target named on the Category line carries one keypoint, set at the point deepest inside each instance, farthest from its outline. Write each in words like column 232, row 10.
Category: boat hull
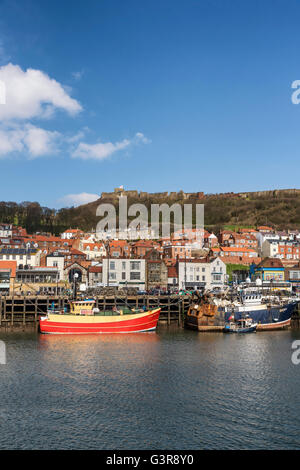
column 275, row 318
column 250, row 329
column 77, row 324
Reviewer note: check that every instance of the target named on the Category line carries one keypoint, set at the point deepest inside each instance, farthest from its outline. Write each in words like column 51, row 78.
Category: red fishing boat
column 84, row 318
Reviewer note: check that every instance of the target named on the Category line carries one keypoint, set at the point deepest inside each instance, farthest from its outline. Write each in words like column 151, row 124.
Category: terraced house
column 124, row 272
column 203, row 273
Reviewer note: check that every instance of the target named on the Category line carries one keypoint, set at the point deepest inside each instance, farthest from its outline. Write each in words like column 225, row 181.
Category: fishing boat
column 244, row 325
column 266, row 314
column 203, row 315
column 208, row 313
column 85, row 318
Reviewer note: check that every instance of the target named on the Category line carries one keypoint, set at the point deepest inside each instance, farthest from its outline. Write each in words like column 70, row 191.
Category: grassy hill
column 280, row 209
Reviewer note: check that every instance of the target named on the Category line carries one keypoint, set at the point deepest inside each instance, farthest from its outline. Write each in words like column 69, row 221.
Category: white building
column 23, row 256
column 270, row 248
column 5, row 230
column 70, row 233
column 128, row 234
column 262, row 237
column 92, row 250
column 56, row 260
column 202, row 273
column 124, row 272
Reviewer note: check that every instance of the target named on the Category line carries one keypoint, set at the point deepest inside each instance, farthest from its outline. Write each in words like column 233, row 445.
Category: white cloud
column 40, row 142
column 139, row 137
column 78, row 75
column 101, row 151
column 33, row 94
column 29, row 140
column 78, row 199
column 78, row 136
column 11, row 141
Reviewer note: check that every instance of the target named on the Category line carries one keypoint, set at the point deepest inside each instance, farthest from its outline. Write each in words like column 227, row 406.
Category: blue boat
column 267, row 317
column 244, row 325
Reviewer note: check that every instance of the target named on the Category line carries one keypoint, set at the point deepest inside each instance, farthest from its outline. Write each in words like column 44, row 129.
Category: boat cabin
column 82, row 307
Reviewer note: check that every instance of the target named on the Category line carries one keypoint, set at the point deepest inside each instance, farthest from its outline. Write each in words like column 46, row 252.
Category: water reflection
column 174, row 389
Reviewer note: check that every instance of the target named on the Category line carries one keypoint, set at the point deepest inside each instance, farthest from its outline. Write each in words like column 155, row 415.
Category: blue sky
column 154, row 95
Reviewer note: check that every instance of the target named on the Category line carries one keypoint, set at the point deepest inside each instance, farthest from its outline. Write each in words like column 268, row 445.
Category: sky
column 152, row 95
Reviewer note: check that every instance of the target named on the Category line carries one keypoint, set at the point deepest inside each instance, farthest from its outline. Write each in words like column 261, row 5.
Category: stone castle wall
column 175, row 196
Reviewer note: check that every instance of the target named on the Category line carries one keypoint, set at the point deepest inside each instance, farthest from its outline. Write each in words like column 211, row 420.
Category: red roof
column 73, row 230
column 9, row 265
column 73, row 251
column 236, row 249
column 240, row 260
column 95, row 269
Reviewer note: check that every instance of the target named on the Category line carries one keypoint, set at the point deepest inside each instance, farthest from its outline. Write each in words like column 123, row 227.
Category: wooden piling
column 24, row 311
column 12, row 311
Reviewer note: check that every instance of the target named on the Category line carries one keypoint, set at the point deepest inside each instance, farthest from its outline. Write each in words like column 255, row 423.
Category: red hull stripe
column 130, row 326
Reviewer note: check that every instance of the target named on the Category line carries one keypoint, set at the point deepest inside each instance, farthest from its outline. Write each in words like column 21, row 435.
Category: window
column 123, row 265
column 135, row 265
column 112, row 276
column 55, row 264
column 112, row 265
column 123, row 276
column 135, row 276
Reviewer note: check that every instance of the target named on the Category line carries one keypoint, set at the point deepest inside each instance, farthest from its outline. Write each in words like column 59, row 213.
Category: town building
column 172, row 277
column 238, row 240
column 56, row 260
column 124, row 272
column 23, row 256
column 156, row 271
column 119, row 249
column 71, row 233
column 95, row 276
column 269, row 269
column 177, row 250
column 209, row 240
column 93, row 250
column 205, row 273
column 6, row 230
column 7, row 276
column 38, row 280
column 225, row 251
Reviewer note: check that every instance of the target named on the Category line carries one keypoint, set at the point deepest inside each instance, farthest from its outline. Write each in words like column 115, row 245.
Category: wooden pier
column 24, row 312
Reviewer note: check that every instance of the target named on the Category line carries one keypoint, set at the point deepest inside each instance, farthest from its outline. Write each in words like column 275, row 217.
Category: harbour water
column 173, row 389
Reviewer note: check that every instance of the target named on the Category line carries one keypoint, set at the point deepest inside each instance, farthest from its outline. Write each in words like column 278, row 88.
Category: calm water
column 167, row 390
